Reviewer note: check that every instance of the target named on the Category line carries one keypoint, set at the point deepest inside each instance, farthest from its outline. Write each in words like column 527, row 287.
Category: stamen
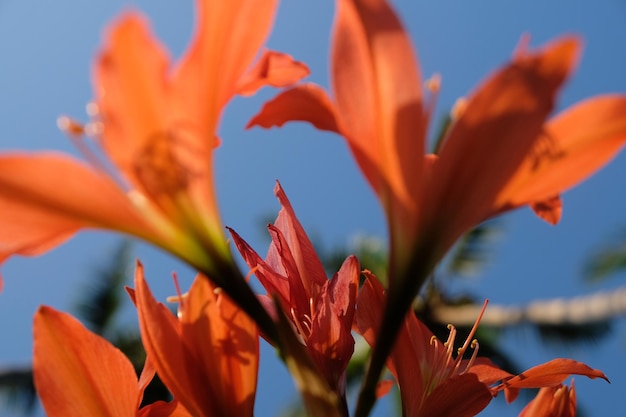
column 180, row 298
column 251, row 272
column 298, row 325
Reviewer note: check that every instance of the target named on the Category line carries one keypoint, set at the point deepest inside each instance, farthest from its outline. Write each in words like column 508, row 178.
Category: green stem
column 400, row 296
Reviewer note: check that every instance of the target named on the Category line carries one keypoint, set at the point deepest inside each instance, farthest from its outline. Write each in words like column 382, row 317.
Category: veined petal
column 573, row 145
column 43, row 202
column 274, row 69
column 208, row 358
column 492, row 137
column 331, row 341
column 78, row 373
column 306, row 102
column 224, row 342
column 378, row 91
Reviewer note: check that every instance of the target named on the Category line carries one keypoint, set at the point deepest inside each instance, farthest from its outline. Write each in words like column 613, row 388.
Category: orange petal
column 225, row 343
column 307, row 103
column 273, row 68
column 78, row 373
column 47, row 197
column 209, row 357
column 492, row 137
column 228, row 36
column 132, row 97
column 150, row 131
column 574, row 144
column 377, row 86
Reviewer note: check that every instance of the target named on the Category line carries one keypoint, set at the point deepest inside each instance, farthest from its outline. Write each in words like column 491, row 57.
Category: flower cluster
column 155, row 125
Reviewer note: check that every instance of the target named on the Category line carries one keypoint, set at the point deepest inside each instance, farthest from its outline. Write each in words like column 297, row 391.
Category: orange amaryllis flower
column 208, row 357
column 434, row 383
column 321, row 310
column 78, row 373
column 557, row 401
column 431, row 381
column 499, row 153
column 158, row 127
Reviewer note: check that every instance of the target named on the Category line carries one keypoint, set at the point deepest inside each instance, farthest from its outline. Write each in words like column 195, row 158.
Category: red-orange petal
column 547, row 374
column 306, row 102
column 78, row 373
column 460, row 396
column 552, row 373
column 557, row 401
column 378, row 91
column 274, row 69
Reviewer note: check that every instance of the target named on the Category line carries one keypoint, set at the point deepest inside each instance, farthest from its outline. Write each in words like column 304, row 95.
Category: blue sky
column 47, row 50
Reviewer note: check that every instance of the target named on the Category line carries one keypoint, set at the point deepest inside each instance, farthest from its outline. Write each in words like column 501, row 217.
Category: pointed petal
column 558, row 401
column 274, row 69
column 161, row 339
column 309, row 265
column 274, row 283
column 377, row 87
column 331, row 342
column 492, row 137
column 576, row 143
column 228, row 36
column 43, row 202
column 307, row 103
column 459, row 396
column 67, row 379
column 552, row 373
column 163, row 409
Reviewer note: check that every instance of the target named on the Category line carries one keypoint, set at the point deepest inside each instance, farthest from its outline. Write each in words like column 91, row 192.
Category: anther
column 70, row 126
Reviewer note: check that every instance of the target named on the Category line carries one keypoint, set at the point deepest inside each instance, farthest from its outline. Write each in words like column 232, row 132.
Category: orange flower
column 78, row 373
column 498, row 154
column 557, row 401
column 434, row 383
column 321, row 309
column 158, row 127
column 208, row 357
